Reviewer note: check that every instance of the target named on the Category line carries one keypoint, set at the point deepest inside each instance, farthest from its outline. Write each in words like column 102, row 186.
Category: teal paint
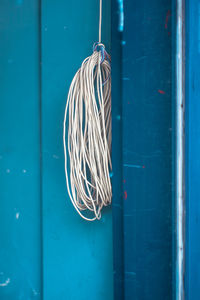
column 77, row 255
column 48, row 251
column 117, row 179
column 146, row 114
column 20, row 237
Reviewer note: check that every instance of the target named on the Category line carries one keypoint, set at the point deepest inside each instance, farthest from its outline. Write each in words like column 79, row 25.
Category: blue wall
column 145, row 124
column 47, row 251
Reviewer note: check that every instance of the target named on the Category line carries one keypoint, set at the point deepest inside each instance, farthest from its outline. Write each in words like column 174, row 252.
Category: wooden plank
column 20, row 260
column 147, row 149
column 77, row 255
column 117, row 179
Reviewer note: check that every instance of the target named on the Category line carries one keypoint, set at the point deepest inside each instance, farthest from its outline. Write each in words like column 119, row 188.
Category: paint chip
column 167, row 18
column 161, row 92
column 35, row 293
column 125, row 195
column 5, row 283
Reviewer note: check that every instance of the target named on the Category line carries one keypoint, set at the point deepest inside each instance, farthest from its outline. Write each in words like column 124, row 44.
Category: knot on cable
column 99, row 47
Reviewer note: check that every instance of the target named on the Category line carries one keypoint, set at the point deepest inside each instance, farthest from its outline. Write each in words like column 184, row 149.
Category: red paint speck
column 124, row 180
column 167, row 18
column 161, row 92
column 143, row 167
column 125, row 195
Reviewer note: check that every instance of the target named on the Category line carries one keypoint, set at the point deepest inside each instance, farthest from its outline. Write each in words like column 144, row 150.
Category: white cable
column 88, row 113
column 100, row 19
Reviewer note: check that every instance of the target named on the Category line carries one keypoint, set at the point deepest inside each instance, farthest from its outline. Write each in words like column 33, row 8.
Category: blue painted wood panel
column 147, row 149
column 47, row 251
column 192, row 142
column 117, row 180
column 77, row 255
column 20, row 238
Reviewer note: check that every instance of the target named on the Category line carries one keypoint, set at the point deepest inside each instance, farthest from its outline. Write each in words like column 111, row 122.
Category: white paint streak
column 17, row 215
column 35, row 293
column 180, row 154
column 121, row 15
column 5, row 283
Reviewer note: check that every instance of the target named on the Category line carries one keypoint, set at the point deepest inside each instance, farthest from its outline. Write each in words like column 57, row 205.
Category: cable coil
column 88, row 113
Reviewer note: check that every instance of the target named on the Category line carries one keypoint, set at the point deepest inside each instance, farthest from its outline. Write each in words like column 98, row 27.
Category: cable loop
column 88, row 149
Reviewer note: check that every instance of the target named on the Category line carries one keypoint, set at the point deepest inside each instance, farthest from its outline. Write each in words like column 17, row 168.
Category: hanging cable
column 88, row 116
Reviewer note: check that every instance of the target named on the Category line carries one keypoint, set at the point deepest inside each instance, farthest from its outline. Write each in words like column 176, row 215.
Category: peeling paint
column 130, row 273
column 133, row 166
column 161, row 92
column 125, row 195
column 5, row 283
column 35, row 293
column 168, row 15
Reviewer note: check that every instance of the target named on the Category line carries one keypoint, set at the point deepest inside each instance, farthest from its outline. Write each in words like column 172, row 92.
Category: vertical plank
column 192, row 128
column 117, row 200
column 77, row 255
column 180, row 150
column 147, row 149
column 20, row 259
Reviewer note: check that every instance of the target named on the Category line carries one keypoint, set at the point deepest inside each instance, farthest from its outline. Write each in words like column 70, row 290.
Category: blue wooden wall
column 147, row 149
column 117, row 179
column 20, row 215
column 47, row 252
column 144, row 213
